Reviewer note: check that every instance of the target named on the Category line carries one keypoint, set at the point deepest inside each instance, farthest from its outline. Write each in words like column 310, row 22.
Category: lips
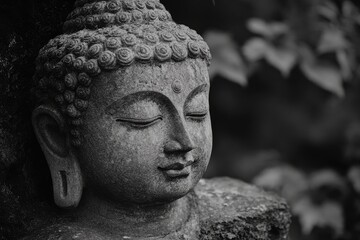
column 177, row 165
column 178, row 169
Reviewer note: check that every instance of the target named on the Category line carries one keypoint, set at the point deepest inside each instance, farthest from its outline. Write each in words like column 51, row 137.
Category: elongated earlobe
column 67, row 184
column 49, row 127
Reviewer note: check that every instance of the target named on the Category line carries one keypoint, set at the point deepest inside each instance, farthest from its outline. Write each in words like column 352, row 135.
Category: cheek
column 115, row 146
column 137, row 146
column 202, row 137
column 117, row 155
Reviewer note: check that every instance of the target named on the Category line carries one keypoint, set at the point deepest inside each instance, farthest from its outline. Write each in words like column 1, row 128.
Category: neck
column 134, row 219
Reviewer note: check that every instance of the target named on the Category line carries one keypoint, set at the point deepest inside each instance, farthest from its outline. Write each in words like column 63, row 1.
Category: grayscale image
column 180, row 120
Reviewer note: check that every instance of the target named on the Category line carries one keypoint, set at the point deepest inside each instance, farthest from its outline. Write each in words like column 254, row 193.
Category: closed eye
column 140, row 123
column 197, row 116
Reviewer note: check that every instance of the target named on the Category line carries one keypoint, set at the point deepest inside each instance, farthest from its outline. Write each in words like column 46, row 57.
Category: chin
column 168, row 198
column 176, row 189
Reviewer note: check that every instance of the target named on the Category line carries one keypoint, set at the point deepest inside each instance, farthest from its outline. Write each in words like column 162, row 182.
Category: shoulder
column 231, row 209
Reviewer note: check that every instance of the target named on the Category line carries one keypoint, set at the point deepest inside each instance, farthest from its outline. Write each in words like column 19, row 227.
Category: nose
column 179, row 141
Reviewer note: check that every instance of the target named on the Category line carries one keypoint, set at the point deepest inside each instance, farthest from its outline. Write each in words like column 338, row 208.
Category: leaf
column 351, row 13
column 229, row 55
column 267, row 30
column 286, row 181
column 229, row 72
column 349, row 10
column 354, row 177
column 255, row 49
column 216, row 39
column 278, row 28
column 332, row 40
column 326, row 177
column 324, row 182
column 258, row 26
column 227, row 61
column 344, row 63
column 328, row 10
column 328, row 214
column 326, row 76
column 282, row 59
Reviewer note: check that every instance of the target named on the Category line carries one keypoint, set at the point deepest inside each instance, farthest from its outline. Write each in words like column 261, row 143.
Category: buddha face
column 147, row 133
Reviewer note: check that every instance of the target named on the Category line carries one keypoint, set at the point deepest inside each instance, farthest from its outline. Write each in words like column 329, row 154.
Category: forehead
column 175, row 79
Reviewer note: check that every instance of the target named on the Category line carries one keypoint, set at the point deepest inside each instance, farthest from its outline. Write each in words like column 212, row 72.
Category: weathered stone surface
column 223, row 208
column 231, row 209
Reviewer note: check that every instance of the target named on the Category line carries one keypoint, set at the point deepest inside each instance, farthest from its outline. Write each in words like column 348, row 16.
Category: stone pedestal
column 224, row 208
column 231, row 209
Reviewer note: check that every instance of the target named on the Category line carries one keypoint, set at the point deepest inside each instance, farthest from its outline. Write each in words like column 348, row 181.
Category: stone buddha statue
column 123, row 121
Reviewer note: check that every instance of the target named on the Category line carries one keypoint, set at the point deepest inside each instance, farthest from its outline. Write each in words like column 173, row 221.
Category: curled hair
column 104, row 36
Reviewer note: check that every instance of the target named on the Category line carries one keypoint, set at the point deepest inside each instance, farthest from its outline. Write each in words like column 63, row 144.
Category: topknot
column 104, row 36
column 89, row 14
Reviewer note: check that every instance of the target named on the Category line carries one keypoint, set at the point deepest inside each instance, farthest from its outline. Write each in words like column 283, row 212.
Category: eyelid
column 197, row 115
column 128, row 119
column 140, row 123
column 197, row 112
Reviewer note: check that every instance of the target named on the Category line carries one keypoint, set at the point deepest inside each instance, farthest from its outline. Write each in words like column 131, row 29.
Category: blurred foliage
column 292, row 123
column 317, row 199
column 327, row 58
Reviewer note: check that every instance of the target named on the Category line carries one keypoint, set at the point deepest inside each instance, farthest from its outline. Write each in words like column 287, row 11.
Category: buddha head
column 122, row 106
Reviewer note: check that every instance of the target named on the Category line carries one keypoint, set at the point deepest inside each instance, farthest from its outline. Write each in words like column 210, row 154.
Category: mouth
column 178, row 169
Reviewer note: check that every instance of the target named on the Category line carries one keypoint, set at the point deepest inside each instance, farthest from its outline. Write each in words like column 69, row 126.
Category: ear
column 49, row 127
